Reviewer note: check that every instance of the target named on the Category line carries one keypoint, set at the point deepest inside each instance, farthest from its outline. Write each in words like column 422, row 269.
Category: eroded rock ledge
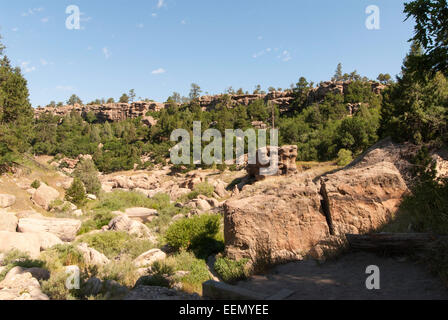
column 289, row 221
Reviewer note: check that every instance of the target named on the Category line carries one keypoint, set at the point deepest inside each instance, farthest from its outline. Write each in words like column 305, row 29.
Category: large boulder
column 48, row 240
column 44, row 196
column 24, row 242
column 141, row 214
column 361, row 200
column 279, row 224
column 19, row 284
column 7, row 200
column 286, row 157
column 126, row 224
column 91, row 256
column 149, row 257
column 8, row 221
column 65, row 229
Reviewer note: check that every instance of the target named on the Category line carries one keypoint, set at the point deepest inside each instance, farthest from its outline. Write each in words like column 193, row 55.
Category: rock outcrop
column 122, row 111
column 8, row 221
column 286, row 155
column 20, row 284
column 277, row 224
column 91, row 256
column 65, row 229
column 24, row 242
column 126, row 224
column 7, row 200
column 280, row 225
column 149, row 257
column 44, row 196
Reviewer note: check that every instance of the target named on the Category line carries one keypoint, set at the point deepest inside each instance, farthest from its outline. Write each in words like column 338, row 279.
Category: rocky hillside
column 122, row 111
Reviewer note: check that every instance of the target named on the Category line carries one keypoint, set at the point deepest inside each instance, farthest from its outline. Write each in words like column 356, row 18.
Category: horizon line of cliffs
column 121, row 111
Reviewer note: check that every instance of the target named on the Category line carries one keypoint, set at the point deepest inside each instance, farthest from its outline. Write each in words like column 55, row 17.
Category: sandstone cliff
column 289, row 218
column 122, row 111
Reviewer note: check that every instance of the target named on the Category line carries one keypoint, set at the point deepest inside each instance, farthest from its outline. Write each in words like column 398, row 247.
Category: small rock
column 149, row 257
column 7, row 200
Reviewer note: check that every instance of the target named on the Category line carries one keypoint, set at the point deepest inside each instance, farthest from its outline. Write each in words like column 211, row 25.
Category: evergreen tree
column 338, row 74
column 76, row 193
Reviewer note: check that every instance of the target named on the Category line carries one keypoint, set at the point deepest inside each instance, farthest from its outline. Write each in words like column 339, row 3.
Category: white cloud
column 159, row 71
column 285, row 56
column 106, row 52
column 65, row 88
column 32, row 11
column 26, row 67
column 160, row 4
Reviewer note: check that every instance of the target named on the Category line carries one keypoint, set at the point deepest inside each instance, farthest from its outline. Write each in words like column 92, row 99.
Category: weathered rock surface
column 25, row 242
column 361, row 200
column 48, row 240
column 65, row 229
column 286, row 159
column 7, row 200
column 44, row 196
column 125, row 224
column 91, row 256
column 8, row 221
column 277, row 225
column 141, row 214
column 19, row 284
column 149, row 257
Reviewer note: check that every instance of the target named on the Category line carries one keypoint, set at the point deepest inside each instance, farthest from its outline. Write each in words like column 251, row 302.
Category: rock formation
column 122, row 111
column 282, row 223
column 287, row 156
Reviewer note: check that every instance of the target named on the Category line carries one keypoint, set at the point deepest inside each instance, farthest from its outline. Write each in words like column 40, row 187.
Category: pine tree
column 338, row 74
column 76, row 193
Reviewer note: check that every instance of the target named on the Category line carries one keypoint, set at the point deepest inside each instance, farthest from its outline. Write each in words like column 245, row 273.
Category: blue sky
column 160, row 46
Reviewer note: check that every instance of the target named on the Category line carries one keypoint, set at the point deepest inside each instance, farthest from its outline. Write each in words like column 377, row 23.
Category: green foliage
column 35, row 184
column 116, row 243
column 88, row 174
column 16, row 258
column 76, row 193
column 231, row 271
column 430, row 30
column 428, row 207
column 344, row 157
column 98, row 221
column 74, row 99
column 197, row 270
column 62, row 255
column 199, row 234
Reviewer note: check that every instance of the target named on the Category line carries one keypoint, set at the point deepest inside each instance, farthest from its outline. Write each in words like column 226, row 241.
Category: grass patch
column 15, row 258
column 116, row 243
column 232, row 271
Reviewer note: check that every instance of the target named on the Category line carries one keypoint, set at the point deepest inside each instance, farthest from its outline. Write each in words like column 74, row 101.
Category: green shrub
column 76, row 193
column 16, row 258
column 88, row 174
column 230, row 270
column 35, row 184
column 344, row 157
column 55, row 287
column 116, row 243
column 198, row 234
column 123, row 271
column 98, row 221
column 197, row 270
column 205, row 189
column 62, row 255
column 121, row 200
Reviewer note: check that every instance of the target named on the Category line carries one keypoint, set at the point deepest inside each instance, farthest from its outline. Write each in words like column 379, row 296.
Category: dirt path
column 345, row 279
